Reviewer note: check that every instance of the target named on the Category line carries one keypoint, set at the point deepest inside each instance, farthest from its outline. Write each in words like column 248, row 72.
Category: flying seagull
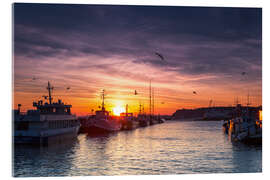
column 68, row 88
column 194, row 92
column 135, row 93
column 159, row 55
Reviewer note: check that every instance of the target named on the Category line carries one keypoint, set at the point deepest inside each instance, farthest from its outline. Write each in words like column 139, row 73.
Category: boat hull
column 47, row 138
column 129, row 125
column 98, row 130
column 143, row 123
column 241, row 130
column 253, row 140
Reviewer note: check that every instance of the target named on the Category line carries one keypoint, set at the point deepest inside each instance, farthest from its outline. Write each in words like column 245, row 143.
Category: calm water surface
column 169, row 148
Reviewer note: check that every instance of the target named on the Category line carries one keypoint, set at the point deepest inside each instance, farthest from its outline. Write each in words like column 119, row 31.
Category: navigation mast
column 140, row 109
column 49, row 88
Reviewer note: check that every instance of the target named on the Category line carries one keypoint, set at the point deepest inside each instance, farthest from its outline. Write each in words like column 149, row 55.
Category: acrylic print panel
column 136, row 90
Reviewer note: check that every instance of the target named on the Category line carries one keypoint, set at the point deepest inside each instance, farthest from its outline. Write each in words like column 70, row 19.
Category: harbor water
column 173, row 147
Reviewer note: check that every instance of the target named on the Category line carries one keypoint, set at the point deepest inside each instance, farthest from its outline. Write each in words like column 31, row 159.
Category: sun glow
column 118, row 110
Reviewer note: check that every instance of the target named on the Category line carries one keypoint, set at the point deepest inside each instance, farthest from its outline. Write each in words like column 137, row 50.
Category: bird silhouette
column 135, row 93
column 159, row 55
column 194, row 92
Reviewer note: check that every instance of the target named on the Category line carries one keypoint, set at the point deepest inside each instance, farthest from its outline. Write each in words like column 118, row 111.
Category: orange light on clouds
column 173, row 90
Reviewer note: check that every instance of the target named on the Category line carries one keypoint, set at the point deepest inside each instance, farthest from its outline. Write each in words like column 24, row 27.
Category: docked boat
column 51, row 122
column 101, row 122
column 245, row 127
column 128, row 121
column 143, row 120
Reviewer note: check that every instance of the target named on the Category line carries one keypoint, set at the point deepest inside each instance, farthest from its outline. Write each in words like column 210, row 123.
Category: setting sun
column 118, row 110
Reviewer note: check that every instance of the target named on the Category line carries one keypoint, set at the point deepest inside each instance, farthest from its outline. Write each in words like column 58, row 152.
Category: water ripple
column 169, row 148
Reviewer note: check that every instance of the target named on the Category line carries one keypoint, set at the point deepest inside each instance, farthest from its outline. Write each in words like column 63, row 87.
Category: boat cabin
column 53, row 108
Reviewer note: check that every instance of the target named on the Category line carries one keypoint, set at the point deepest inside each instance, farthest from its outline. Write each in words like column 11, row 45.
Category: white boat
column 50, row 122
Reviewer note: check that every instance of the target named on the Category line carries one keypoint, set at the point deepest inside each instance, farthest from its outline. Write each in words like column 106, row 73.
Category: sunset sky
column 89, row 48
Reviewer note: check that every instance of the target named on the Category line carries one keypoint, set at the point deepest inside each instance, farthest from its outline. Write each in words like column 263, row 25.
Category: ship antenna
column 49, row 90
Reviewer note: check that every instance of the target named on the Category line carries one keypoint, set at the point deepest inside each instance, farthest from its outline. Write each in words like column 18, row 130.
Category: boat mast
column 49, row 87
column 153, row 103
column 140, row 110
column 102, row 96
column 126, row 109
column 210, row 103
column 237, row 101
column 248, row 103
column 150, row 100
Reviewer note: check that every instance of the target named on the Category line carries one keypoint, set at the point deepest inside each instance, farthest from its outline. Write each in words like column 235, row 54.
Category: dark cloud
column 193, row 40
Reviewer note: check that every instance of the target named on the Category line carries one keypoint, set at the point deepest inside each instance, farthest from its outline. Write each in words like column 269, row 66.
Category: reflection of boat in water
column 50, row 123
column 101, row 122
column 225, row 126
column 246, row 126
